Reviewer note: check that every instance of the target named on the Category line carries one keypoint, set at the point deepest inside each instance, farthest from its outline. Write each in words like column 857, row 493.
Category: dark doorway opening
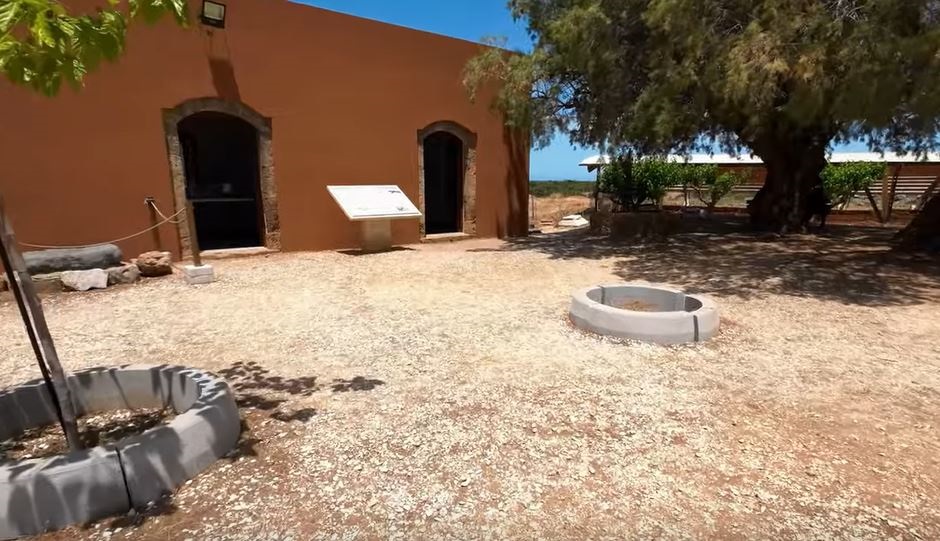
column 443, row 183
column 220, row 154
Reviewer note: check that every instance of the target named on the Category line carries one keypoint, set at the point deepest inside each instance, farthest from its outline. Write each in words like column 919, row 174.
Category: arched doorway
column 221, row 158
column 220, row 163
column 447, row 179
column 443, row 183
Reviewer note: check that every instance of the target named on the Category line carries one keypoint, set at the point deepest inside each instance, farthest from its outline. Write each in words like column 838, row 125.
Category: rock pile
column 153, row 264
column 90, row 268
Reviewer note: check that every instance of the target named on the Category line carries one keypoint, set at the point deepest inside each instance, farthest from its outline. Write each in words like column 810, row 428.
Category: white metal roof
column 597, row 159
column 743, row 159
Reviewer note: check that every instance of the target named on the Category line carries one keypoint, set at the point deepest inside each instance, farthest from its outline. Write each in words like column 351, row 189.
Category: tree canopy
column 42, row 44
column 781, row 78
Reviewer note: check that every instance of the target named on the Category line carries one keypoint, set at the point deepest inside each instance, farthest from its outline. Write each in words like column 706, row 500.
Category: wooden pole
column 532, row 224
column 889, row 206
column 874, row 204
column 885, row 188
column 155, row 232
column 38, row 331
column 924, row 197
column 193, row 239
column 597, row 188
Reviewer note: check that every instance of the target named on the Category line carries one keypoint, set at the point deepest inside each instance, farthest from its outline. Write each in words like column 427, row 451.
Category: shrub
column 632, row 182
column 617, row 180
column 657, row 175
column 842, row 180
column 709, row 185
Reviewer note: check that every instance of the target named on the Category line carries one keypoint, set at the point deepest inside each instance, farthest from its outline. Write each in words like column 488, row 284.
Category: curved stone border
column 680, row 318
column 39, row 495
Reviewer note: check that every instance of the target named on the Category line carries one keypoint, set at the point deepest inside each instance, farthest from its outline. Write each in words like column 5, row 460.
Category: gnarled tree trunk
column 793, row 170
column 923, row 233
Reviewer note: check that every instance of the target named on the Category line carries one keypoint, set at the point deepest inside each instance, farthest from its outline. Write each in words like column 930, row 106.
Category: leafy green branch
column 43, row 45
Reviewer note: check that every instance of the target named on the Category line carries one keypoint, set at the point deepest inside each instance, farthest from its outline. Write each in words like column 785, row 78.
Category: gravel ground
column 440, row 392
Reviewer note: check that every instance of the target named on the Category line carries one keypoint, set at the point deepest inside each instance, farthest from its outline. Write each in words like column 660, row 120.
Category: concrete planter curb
column 40, row 495
column 677, row 317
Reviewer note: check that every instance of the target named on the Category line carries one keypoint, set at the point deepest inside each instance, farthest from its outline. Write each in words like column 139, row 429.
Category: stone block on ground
column 83, row 280
column 203, row 274
column 154, row 264
column 42, row 283
column 63, row 259
column 125, row 274
column 47, row 283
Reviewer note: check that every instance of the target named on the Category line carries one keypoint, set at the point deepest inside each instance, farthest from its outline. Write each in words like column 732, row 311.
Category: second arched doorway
column 443, row 183
column 447, row 179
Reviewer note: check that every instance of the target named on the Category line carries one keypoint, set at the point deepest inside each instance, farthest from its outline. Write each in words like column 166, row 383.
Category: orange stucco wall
column 346, row 97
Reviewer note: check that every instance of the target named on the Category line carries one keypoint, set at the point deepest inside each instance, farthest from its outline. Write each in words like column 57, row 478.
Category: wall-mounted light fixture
column 213, row 13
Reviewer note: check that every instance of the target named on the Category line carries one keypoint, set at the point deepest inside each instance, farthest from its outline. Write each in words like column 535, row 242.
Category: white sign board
column 373, row 202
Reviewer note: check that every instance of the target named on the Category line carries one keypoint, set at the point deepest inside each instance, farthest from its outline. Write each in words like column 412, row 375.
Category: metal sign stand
column 21, row 283
column 376, row 236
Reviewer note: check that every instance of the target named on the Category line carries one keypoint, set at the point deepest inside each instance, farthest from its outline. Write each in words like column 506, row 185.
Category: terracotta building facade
column 250, row 123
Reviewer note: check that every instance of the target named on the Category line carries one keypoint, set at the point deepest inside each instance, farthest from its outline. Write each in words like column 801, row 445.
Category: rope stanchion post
column 193, row 239
column 154, row 223
column 197, row 273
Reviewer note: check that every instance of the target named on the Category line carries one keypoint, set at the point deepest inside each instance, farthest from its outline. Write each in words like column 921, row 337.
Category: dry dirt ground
column 440, row 393
column 556, row 207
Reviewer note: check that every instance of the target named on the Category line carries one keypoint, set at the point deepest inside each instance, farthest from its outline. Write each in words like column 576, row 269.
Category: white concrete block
column 83, row 280
column 203, row 274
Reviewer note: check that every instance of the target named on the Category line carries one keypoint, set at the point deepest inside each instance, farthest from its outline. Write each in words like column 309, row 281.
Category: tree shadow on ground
column 357, row 383
column 848, row 264
column 255, row 387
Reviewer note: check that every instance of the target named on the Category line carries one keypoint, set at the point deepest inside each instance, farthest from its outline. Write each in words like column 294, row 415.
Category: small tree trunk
column 923, row 233
column 792, row 172
column 35, row 321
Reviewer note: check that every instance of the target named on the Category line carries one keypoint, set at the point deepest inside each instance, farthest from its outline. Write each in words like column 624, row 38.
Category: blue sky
column 474, row 20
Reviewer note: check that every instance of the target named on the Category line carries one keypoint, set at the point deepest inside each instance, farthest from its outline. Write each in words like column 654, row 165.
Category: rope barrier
column 166, row 219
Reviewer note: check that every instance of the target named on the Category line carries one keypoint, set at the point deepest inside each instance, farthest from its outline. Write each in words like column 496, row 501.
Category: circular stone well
column 39, row 495
column 644, row 312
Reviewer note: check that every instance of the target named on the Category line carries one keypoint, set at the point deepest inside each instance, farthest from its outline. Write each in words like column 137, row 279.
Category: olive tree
column 783, row 79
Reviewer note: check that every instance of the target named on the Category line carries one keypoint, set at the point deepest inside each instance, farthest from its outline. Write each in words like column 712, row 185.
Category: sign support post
column 376, row 236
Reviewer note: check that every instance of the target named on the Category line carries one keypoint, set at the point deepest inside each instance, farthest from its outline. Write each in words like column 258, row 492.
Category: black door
column 220, row 153
column 443, row 183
